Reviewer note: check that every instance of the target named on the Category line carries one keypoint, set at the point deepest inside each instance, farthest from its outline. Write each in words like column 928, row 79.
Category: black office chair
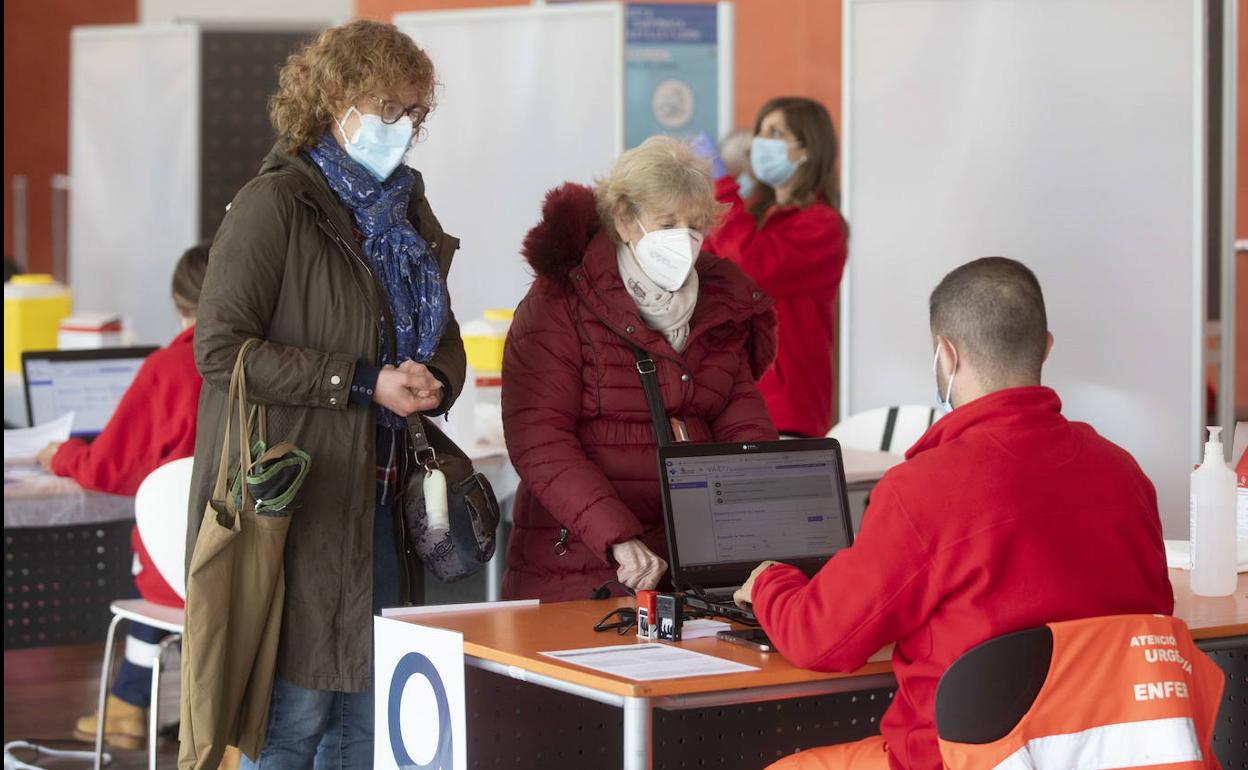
column 985, row 693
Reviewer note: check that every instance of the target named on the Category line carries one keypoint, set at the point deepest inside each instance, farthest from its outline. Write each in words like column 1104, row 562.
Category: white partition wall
column 134, row 161
column 531, row 97
column 1067, row 134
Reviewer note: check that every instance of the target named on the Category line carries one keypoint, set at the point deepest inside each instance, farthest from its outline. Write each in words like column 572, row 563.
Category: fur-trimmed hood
column 558, row 242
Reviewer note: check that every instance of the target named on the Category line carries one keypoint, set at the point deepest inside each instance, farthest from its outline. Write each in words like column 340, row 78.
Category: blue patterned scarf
column 400, row 258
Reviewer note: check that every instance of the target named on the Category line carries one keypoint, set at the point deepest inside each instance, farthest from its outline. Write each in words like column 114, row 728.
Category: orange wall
column 36, row 104
column 789, row 48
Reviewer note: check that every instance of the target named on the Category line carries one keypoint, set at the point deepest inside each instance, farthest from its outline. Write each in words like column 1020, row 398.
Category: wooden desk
column 508, row 642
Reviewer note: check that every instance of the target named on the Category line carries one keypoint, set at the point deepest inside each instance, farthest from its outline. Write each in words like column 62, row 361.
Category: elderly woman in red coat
column 618, row 266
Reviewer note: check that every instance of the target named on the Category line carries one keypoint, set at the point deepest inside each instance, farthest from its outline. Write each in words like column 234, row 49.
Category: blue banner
column 671, row 71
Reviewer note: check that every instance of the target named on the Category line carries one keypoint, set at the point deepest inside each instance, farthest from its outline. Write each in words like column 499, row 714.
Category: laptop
column 728, row 507
column 89, row 383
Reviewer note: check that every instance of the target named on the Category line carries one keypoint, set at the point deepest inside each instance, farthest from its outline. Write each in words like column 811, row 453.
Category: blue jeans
column 134, row 681
column 323, row 729
column 317, row 729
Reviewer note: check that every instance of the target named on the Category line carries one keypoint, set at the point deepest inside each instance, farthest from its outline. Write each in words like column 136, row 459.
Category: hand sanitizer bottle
column 1213, row 523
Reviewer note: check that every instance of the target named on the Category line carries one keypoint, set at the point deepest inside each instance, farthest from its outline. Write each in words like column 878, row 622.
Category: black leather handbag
column 473, row 510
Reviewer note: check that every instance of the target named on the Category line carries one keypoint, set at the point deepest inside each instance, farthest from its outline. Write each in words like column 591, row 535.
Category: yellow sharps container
column 484, row 339
column 33, row 308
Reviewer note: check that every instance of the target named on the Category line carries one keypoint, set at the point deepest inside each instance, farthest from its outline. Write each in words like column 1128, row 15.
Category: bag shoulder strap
column 647, row 370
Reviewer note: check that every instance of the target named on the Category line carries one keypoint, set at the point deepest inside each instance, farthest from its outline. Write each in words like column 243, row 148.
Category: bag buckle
column 427, row 458
column 646, row 366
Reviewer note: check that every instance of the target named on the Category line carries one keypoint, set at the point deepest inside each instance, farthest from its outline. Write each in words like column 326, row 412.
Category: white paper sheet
column 647, row 662
column 25, row 443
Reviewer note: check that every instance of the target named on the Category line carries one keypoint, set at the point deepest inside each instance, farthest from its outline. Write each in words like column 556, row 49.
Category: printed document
column 25, row 443
column 647, row 662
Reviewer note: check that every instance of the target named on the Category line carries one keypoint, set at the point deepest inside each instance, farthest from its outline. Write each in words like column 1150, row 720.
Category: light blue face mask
column 769, row 159
column 378, row 146
column 945, row 404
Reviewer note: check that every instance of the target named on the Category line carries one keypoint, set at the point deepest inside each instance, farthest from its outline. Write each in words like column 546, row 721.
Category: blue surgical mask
column 745, row 184
column 945, row 404
column 378, row 146
column 769, row 159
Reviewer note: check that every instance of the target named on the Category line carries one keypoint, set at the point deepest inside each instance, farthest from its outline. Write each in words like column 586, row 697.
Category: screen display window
column 91, row 389
column 751, row 507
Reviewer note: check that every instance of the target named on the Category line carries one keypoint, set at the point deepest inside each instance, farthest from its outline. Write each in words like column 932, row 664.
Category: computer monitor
column 730, row 506
column 89, row 383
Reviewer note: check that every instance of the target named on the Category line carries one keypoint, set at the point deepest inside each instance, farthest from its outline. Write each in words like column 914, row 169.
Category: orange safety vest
column 1122, row 692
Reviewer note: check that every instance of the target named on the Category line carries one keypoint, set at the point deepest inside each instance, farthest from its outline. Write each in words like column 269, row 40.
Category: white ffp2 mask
column 667, row 256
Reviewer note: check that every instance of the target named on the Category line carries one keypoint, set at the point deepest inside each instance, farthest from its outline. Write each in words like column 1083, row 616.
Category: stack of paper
column 24, row 443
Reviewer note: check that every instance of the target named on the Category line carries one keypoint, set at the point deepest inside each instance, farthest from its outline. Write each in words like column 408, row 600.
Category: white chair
column 160, row 511
column 892, row 429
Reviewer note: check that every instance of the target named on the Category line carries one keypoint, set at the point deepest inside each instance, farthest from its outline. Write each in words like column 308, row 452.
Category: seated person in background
column 153, row 424
column 620, row 266
column 1005, row 516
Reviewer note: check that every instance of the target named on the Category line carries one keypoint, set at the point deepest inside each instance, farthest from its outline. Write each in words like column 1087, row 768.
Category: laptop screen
column 736, row 508
column 89, row 383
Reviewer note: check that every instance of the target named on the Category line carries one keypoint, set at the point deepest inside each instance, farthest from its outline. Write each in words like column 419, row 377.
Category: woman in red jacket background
column 154, row 423
column 790, row 238
column 618, row 266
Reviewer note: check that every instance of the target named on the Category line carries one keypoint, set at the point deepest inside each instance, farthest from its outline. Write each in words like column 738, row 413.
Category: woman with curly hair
column 333, row 259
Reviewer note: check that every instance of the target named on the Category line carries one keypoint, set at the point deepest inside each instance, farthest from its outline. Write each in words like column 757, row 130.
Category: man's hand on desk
column 744, row 595
column 46, row 454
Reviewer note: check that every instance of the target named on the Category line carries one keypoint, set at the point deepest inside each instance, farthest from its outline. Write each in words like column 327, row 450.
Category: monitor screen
column 88, row 383
column 785, row 505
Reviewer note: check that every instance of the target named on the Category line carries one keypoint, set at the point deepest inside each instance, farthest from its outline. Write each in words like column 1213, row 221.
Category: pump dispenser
column 1213, row 523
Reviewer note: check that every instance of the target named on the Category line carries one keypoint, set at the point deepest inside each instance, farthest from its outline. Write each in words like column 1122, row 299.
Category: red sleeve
column 805, row 252
column 136, row 439
column 542, row 389
column 745, row 417
column 873, row 593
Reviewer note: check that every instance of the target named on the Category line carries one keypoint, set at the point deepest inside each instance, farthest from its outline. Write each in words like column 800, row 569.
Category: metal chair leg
column 106, row 673
column 153, row 710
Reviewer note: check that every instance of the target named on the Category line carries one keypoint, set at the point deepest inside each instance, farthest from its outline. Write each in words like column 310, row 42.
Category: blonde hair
column 660, row 174
column 342, row 65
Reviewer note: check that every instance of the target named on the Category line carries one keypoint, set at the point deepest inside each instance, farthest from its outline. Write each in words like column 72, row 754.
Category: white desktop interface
column 91, row 389
column 776, row 505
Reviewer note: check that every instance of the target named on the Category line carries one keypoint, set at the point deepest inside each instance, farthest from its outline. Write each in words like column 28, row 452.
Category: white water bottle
column 1214, row 557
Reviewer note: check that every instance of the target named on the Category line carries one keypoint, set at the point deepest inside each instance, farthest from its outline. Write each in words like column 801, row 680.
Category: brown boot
column 125, row 725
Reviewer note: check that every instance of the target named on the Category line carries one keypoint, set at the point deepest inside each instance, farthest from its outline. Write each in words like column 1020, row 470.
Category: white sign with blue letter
column 419, row 696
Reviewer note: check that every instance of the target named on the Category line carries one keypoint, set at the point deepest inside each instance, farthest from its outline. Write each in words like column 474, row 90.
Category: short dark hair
column 992, row 310
column 188, row 278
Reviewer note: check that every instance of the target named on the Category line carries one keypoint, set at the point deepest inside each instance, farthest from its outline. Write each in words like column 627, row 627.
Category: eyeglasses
column 392, row 111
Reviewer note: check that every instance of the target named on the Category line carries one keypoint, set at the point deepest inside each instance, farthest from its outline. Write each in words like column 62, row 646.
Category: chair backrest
column 892, row 429
column 1120, row 691
column 160, row 511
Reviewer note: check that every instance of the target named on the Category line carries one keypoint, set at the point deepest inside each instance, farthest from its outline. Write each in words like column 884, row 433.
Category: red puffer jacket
column 574, row 413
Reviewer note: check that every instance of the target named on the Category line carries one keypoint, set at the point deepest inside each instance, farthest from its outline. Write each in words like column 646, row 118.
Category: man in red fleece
column 1004, row 516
